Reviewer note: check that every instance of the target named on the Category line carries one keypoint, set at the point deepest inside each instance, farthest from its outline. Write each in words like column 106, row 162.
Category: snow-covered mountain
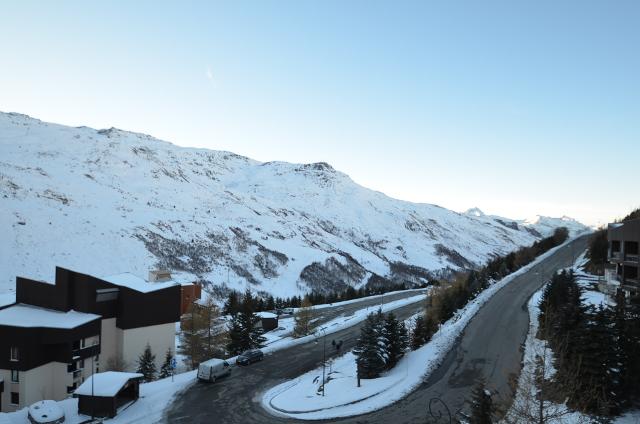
column 110, row 201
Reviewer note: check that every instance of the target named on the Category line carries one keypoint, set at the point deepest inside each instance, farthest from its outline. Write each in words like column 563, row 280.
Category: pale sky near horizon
column 518, row 108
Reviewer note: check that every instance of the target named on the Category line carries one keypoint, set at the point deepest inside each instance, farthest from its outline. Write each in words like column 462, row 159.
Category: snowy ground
column 340, row 323
column 148, row 409
column 299, row 399
column 524, row 405
column 155, row 396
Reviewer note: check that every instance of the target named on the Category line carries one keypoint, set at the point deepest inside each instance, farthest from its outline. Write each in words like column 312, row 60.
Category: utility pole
column 324, row 357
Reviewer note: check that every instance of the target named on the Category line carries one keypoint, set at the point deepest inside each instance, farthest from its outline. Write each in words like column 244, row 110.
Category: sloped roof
column 105, row 384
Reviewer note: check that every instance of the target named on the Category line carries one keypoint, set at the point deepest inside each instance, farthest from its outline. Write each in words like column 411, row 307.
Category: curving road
column 489, row 348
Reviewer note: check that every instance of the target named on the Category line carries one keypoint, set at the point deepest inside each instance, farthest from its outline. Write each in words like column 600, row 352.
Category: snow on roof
column 136, row 283
column 45, row 411
column 266, row 315
column 21, row 315
column 105, row 384
column 212, row 361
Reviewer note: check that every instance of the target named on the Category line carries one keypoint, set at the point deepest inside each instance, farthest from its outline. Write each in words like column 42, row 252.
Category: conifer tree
column 147, row 364
column 369, row 361
column 481, row 406
column 396, row 335
column 166, row 370
column 244, row 334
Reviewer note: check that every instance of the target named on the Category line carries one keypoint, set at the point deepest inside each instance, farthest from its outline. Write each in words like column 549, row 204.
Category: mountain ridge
column 111, row 201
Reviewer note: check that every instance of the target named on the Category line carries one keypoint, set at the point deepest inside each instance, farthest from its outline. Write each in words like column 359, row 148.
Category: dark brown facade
column 85, row 293
column 38, row 346
column 82, row 293
column 624, row 242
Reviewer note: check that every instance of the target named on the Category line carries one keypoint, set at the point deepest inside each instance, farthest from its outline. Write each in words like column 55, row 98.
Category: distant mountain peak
column 475, row 212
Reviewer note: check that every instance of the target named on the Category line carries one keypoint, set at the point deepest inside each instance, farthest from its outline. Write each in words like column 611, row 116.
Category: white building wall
column 108, row 343
column 160, row 338
column 47, row 381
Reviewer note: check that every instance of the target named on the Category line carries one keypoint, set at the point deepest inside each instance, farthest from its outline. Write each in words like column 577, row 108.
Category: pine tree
column 232, row 304
column 303, row 318
column 244, row 334
column 166, row 370
column 369, row 361
column 382, row 341
column 482, row 405
column 593, row 388
column 147, row 364
column 396, row 334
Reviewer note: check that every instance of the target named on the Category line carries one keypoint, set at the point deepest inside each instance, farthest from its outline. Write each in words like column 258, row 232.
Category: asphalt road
column 236, row 399
column 489, row 348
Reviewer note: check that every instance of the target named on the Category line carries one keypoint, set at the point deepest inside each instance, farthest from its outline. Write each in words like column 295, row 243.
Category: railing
column 616, row 255
column 86, row 352
column 631, row 258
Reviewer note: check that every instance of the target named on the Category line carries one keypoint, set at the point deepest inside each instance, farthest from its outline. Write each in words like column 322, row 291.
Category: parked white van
column 213, row 369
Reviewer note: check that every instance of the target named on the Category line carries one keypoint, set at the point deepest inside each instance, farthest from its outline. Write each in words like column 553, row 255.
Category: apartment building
column 56, row 335
column 624, row 239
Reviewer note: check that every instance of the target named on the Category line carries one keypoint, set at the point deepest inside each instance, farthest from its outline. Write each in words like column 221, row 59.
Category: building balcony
column 631, row 258
column 86, row 352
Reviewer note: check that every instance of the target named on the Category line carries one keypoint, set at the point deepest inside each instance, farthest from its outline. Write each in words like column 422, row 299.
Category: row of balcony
column 619, row 256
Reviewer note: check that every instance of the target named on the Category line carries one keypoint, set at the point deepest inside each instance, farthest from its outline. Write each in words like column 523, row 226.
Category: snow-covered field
column 525, row 403
column 298, row 398
column 106, row 202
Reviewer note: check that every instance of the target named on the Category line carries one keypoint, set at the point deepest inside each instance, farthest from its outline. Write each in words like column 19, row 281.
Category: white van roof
column 212, row 361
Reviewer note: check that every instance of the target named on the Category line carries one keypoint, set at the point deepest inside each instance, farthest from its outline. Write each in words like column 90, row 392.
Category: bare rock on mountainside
column 110, row 201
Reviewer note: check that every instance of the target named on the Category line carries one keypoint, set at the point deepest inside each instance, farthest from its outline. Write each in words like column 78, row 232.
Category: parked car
column 45, row 412
column 213, row 369
column 249, row 357
column 289, row 311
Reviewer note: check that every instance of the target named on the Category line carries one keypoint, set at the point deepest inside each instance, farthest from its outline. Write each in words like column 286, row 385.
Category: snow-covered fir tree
column 147, row 364
column 244, row 332
column 166, row 370
column 369, row 358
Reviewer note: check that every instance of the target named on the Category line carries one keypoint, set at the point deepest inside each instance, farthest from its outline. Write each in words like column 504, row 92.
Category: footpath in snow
column 299, row 398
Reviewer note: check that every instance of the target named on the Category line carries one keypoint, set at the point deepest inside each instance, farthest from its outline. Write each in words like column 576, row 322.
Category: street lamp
column 324, row 355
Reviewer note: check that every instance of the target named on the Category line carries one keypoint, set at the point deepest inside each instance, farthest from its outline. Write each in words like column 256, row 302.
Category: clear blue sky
column 516, row 107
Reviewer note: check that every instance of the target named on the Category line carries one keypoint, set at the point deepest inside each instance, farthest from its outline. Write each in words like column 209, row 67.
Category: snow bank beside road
column 286, row 400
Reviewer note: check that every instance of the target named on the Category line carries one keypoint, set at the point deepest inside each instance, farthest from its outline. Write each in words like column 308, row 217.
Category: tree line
column 232, row 304
column 596, row 348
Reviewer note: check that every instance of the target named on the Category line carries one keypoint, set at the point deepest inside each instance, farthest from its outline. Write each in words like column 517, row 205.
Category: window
column 15, row 398
column 15, row 376
column 14, row 353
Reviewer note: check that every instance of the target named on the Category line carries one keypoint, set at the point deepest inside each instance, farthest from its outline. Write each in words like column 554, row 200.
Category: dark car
column 250, row 356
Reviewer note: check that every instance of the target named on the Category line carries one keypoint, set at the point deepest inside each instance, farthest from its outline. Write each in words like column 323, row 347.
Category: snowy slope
column 110, row 201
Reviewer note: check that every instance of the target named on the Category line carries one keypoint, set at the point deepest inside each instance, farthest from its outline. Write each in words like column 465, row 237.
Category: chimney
column 159, row 275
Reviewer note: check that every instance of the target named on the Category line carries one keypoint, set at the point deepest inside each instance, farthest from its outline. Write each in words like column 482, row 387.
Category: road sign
column 174, row 364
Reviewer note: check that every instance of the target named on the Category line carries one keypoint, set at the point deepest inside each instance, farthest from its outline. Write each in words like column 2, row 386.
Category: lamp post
column 324, row 356
column 93, row 379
